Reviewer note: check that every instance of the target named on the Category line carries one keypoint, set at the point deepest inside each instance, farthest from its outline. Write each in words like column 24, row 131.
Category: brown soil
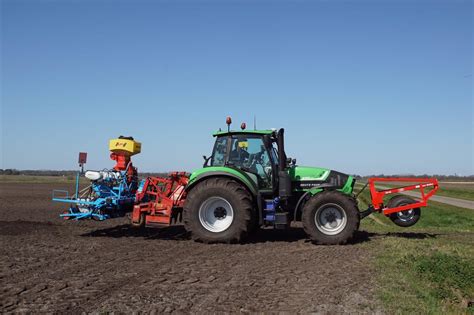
column 51, row 265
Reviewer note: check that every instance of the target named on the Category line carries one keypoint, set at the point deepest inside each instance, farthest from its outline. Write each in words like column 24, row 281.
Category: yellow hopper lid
column 125, row 145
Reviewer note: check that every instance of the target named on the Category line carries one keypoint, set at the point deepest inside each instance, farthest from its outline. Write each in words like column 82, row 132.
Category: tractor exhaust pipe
column 284, row 180
column 281, row 150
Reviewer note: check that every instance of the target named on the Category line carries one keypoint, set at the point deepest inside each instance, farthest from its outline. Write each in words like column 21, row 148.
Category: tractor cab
column 259, row 154
column 247, row 151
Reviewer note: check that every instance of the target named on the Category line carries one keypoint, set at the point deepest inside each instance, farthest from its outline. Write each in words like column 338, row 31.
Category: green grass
column 427, row 268
column 433, row 275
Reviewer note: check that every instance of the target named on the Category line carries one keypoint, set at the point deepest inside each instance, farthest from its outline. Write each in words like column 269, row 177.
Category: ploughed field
column 48, row 264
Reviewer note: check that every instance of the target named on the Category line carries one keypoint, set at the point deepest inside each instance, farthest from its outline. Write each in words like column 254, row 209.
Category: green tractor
column 249, row 182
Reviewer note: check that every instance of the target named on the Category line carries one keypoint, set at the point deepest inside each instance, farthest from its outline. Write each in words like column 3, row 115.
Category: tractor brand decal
column 307, row 184
column 330, row 179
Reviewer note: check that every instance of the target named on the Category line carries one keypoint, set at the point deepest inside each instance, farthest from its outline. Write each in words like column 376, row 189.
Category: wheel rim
column 406, row 215
column 216, row 214
column 330, row 219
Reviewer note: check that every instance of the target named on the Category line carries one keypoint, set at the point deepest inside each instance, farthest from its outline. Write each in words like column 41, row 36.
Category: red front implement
column 423, row 184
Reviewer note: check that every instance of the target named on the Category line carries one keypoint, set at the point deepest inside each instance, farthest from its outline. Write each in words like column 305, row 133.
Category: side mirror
column 206, row 160
column 290, row 161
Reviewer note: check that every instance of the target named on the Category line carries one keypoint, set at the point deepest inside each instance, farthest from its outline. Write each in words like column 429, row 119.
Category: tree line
column 9, row 171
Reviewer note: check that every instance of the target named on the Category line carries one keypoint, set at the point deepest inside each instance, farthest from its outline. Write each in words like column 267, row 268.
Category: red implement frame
column 160, row 199
column 416, row 183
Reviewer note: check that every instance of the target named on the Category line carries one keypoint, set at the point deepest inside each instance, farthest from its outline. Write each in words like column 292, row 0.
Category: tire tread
column 244, row 207
column 331, row 196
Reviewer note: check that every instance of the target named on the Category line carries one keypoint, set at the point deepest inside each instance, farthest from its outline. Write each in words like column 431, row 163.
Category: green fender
column 216, row 171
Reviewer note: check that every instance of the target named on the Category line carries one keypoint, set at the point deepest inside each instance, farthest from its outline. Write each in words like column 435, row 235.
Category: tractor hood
column 307, row 178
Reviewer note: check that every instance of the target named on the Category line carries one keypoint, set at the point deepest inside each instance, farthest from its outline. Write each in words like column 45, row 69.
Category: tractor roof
column 242, row 132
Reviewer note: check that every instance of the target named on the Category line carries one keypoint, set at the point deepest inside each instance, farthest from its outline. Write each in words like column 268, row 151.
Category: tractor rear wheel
column 330, row 218
column 218, row 210
column 403, row 218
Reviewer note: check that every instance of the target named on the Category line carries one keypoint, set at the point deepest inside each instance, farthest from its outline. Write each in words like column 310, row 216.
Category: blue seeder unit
column 109, row 195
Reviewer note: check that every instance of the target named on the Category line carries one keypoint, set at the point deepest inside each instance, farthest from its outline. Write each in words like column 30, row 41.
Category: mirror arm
column 206, row 160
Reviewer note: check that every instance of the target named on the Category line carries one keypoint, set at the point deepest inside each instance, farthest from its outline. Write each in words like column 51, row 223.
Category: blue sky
column 360, row 86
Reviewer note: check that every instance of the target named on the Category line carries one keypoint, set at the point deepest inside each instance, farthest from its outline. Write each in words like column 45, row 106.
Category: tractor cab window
column 219, row 153
column 250, row 154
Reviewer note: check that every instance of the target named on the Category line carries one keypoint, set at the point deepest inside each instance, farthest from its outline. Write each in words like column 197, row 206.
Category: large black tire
column 404, row 218
column 224, row 193
column 330, row 218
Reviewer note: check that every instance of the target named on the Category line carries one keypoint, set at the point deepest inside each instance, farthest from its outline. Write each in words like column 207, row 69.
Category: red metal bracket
column 417, row 183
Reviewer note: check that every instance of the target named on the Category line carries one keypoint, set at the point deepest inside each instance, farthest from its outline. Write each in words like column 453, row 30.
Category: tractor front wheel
column 218, row 210
column 330, row 218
